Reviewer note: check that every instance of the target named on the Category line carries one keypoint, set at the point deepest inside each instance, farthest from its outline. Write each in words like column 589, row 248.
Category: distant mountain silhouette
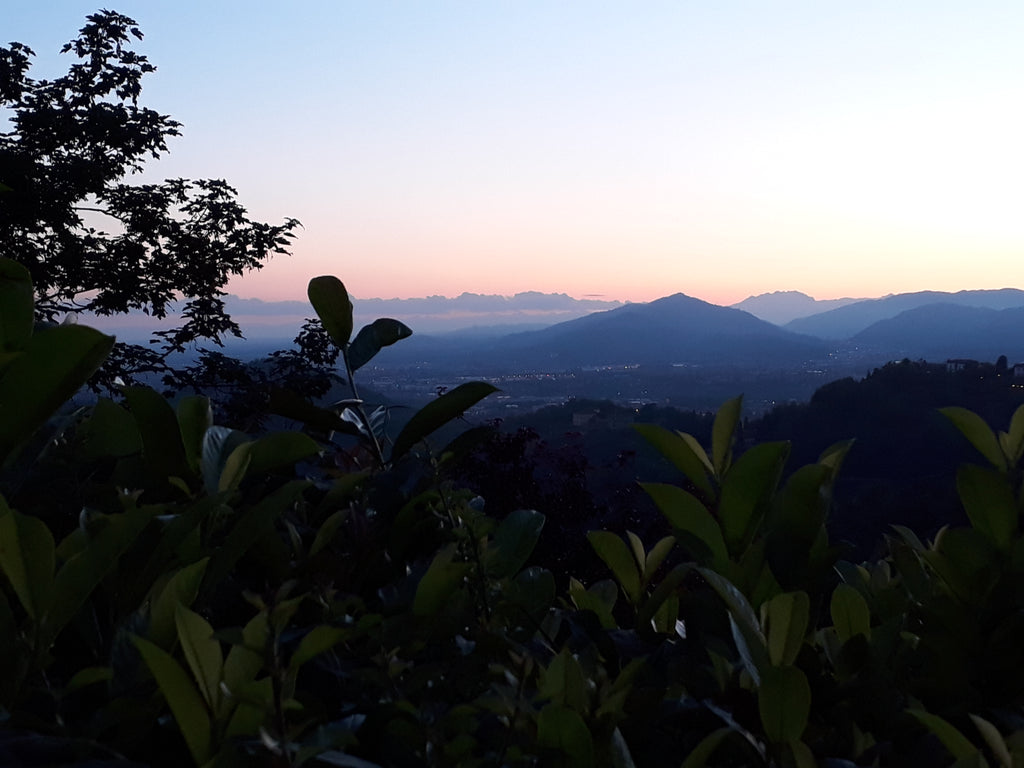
column 845, row 322
column 781, row 307
column 941, row 331
column 675, row 329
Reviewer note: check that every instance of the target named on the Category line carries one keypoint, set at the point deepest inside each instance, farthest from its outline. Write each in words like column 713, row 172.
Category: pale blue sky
column 624, row 149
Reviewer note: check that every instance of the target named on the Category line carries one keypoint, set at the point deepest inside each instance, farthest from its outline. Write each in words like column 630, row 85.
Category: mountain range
column 681, row 330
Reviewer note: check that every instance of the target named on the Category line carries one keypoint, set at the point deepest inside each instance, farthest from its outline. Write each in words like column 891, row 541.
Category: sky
column 617, row 150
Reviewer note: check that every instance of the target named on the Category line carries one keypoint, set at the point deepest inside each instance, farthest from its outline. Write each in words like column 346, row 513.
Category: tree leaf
column 218, row 444
column 202, row 652
column 162, row 446
column 784, row 701
column 722, row 433
column 439, row 412
column 746, row 488
column 27, row 556
column 637, row 547
column 82, row 573
column 442, row 578
column 1015, row 436
column 195, row 416
column 680, row 452
column 850, row 613
column 686, row 513
column 656, row 557
column 235, row 467
column 561, row 728
column 281, row 449
column 988, row 500
column 786, row 619
column 182, row 697
column 329, row 298
column 52, row 366
column 372, row 338
column 16, row 306
column 513, row 542
column 952, row 739
column 981, row 436
column 110, row 432
column 615, row 554
column 181, row 589
column 699, row 756
column 994, row 739
column 245, row 660
column 318, row 640
column 563, row 682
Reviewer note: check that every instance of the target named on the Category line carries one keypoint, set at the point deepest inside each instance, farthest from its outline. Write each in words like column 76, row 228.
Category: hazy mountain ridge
column 781, row 307
column 677, row 329
column 847, row 321
column 944, row 330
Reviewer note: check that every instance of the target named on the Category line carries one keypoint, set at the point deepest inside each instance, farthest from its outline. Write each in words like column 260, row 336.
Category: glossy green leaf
column 318, row 640
column 195, row 416
column 81, row 574
column 281, row 449
column 329, row 298
column 89, row 676
column 722, row 433
column 514, row 542
column 663, row 592
column 656, row 557
column 533, row 590
column 636, row 546
column 746, row 488
column 952, row 739
column 981, row 436
column 255, row 705
column 181, row 589
column 563, row 682
column 245, row 660
column 162, row 446
column 680, row 452
column 110, row 431
column 699, row 756
column 250, row 526
column 784, row 701
column 994, row 739
column 616, row 555
column 600, row 599
column 52, row 366
column 561, row 728
column 850, row 613
column 1015, row 437
column 443, row 577
column 685, row 513
column 374, row 337
column 786, row 617
column 439, row 412
column 202, row 652
column 16, row 306
column 218, row 444
column 328, row 530
column 182, row 697
column 27, row 559
column 746, row 630
column 235, row 467
column 988, row 500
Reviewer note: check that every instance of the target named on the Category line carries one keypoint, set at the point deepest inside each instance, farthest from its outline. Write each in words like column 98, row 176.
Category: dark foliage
column 94, row 242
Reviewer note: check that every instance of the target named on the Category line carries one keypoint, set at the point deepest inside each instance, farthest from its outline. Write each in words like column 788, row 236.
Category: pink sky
column 721, row 150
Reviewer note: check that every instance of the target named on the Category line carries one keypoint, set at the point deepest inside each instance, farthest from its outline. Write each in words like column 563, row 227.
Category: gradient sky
column 629, row 150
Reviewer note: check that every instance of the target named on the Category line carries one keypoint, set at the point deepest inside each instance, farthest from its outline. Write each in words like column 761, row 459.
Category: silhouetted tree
column 93, row 242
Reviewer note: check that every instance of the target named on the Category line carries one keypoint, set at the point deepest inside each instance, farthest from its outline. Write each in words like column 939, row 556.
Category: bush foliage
column 177, row 591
